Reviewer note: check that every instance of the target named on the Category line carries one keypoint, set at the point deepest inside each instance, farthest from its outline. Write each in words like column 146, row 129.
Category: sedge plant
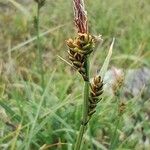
column 79, row 52
column 120, row 107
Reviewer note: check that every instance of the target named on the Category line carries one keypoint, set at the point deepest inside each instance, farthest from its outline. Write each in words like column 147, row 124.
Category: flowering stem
column 39, row 45
column 85, row 108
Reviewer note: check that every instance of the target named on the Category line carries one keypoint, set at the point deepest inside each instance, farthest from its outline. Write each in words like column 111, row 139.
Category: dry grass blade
column 65, row 61
column 20, row 7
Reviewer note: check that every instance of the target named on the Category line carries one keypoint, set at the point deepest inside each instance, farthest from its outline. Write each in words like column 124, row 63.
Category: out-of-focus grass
column 56, row 119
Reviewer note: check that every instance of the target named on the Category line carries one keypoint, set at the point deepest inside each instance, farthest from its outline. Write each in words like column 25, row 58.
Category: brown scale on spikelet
column 96, row 91
column 79, row 48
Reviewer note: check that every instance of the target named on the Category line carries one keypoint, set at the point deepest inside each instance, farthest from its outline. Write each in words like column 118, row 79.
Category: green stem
column 39, row 46
column 114, row 137
column 85, row 109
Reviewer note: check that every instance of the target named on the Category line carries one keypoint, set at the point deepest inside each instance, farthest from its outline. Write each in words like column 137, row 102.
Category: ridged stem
column 85, row 109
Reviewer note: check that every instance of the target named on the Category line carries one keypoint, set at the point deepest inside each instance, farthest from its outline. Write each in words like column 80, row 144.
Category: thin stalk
column 38, row 41
column 85, row 109
column 114, row 137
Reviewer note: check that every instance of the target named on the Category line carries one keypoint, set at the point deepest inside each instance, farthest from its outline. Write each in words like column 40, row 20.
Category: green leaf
column 107, row 60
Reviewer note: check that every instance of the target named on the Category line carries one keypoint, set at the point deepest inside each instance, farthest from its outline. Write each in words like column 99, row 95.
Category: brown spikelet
column 122, row 107
column 96, row 91
column 40, row 2
column 79, row 48
column 119, row 79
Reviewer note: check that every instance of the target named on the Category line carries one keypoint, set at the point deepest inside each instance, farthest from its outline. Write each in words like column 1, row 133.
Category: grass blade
column 107, row 60
column 10, row 111
column 20, row 7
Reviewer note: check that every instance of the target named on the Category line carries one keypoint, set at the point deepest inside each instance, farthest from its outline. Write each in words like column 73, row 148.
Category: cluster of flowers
column 96, row 90
column 79, row 48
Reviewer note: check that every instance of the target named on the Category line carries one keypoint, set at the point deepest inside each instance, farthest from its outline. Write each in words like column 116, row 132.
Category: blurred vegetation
column 52, row 119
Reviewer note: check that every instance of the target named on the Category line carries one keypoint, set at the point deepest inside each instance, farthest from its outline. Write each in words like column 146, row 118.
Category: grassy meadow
column 42, row 117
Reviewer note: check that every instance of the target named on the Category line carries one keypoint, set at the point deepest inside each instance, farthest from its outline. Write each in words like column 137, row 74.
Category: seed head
column 96, row 91
column 79, row 48
column 40, row 2
column 118, row 83
column 122, row 107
